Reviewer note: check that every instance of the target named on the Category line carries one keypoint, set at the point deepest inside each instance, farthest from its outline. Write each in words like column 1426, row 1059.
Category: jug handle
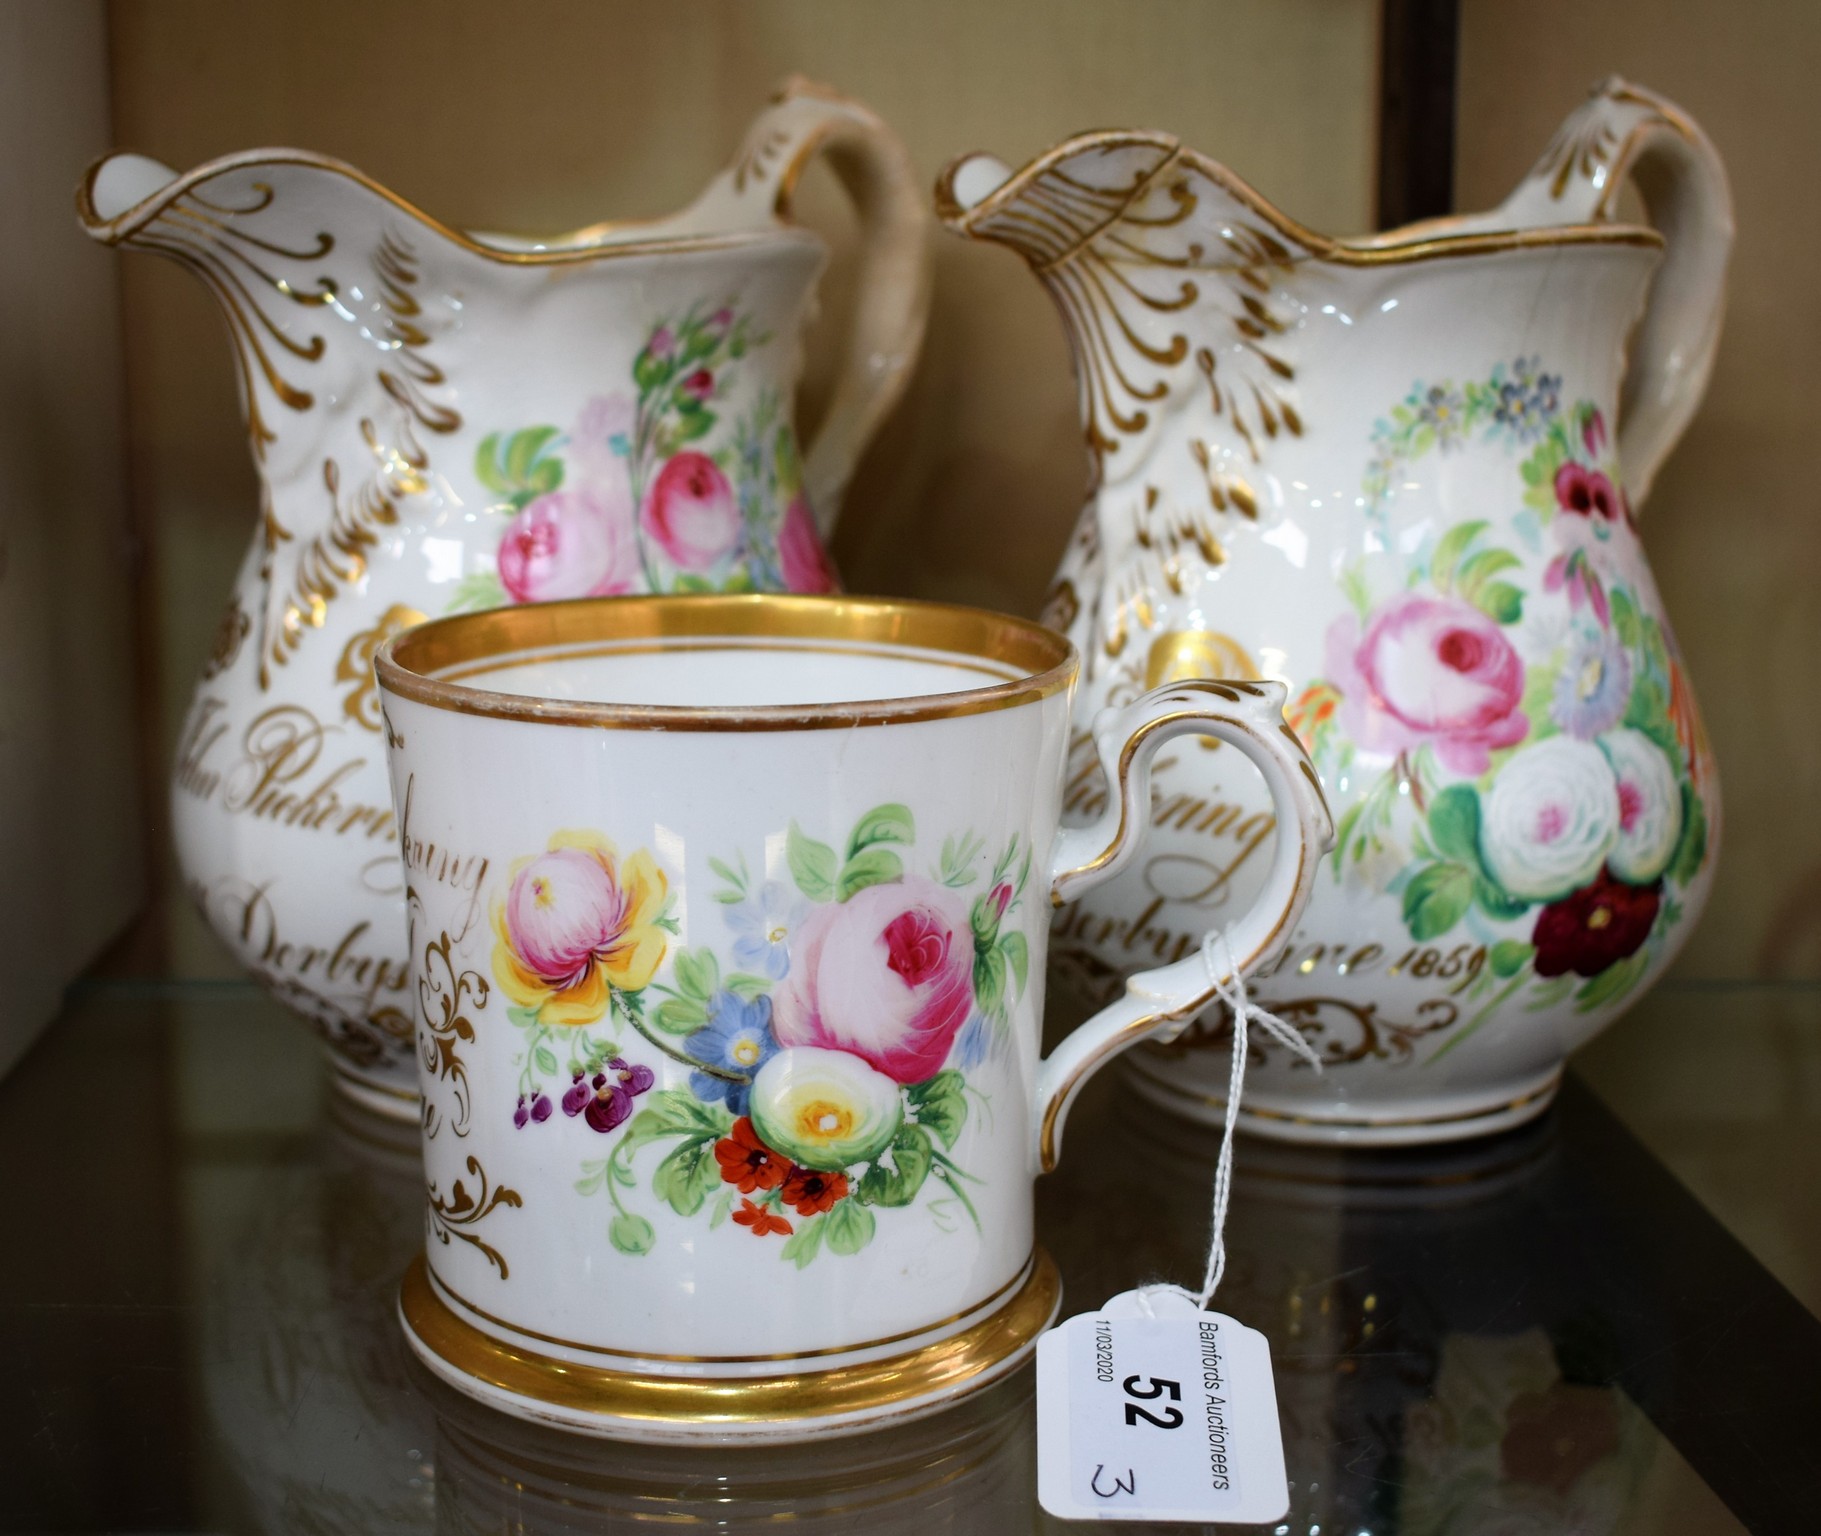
column 1158, row 1004
column 804, row 120
column 1624, row 132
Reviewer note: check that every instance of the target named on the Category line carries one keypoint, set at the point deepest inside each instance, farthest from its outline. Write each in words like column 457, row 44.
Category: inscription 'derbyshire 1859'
column 1202, row 880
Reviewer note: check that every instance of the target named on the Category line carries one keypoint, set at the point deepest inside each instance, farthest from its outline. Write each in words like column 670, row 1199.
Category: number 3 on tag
column 1158, row 1417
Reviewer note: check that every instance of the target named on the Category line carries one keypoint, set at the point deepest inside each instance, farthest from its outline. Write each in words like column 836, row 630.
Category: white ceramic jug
column 1400, row 475
column 445, row 420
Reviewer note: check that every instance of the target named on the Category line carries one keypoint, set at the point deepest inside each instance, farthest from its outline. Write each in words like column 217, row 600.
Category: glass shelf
column 1603, row 1322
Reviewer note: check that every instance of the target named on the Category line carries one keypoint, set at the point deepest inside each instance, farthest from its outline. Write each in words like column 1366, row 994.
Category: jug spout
column 1168, row 271
column 308, row 318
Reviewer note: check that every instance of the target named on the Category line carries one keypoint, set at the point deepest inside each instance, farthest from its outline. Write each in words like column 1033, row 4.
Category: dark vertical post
column 1419, row 44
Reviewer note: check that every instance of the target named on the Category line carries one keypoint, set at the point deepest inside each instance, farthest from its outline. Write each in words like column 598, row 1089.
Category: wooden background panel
column 71, row 843
column 1731, row 528
column 546, row 114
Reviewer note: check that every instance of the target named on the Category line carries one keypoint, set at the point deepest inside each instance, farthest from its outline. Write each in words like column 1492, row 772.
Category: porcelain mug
column 727, row 924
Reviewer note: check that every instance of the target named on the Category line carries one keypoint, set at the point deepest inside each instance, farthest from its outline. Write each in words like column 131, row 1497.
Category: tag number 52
column 1168, row 1418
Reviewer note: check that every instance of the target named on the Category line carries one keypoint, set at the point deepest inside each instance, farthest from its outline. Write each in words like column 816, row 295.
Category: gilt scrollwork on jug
column 445, row 420
column 1402, row 476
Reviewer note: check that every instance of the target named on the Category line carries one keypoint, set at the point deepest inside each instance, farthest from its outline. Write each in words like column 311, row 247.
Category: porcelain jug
column 445, row 420
column 1401, row 475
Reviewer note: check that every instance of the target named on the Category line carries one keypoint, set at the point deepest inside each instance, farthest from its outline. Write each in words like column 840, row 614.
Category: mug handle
column 1621, row 132
column 1159, row 1003
column 804, row 120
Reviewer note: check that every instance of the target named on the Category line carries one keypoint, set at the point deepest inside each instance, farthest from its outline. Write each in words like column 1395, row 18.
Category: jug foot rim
column 1311, row 1124
column 380, row 1099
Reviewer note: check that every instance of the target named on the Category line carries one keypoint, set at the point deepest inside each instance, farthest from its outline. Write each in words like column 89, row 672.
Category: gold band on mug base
column 800, row 1405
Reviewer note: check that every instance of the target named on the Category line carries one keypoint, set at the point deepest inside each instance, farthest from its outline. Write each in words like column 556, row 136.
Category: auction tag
column 1158, row 1412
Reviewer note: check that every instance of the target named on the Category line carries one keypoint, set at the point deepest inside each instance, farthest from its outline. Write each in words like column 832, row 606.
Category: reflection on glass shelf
column 1723, row 1083
column 1468, row 1339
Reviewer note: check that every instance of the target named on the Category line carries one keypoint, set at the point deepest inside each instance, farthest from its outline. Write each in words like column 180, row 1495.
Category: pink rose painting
column 673, row 487
column 802, row 561
column 832, row 1053
column 573, row 533
column 691, row 514
column 1431, row 670
column 571, row 543
column 886, row 975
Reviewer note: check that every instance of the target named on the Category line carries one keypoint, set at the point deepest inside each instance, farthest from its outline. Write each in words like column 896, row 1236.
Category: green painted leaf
column 1655, row 647
column 1500, row 601
column 957, row 856
column 692, row 425
column 673, row 1112
column 1691, row 847
column 631, row 1234
column 1436, row 900
column 698, row 973
column 546, row 1060
column 593, row 1179
column 1624, row 617
column 721, row 1209
column 522, row 451
column 522, row 1018
column 1454, row 824
column 486, row 464
column 1353, row 587
column 647, row 371
column 850, row 1227
column 812, row 864
column 1449, row 550
column 1343, row 834
column 1550, row 993
column 1509, row 956
column 940, row 1105
column 989, row 981
column 911, row 1159
column 477, row 592
column 1539, row 695
column 1477, row 570
column 800, row 1247
column 745, row 985
column 1497, row 902
column 871, row 866
column 1648, row 711
column 688, row 1176
column 680, row 1015
column 1017, row 955
column 882, row 824
column 1612, row 983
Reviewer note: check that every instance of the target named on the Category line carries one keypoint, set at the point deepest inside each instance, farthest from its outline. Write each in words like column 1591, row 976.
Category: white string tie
column 1230, row 987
